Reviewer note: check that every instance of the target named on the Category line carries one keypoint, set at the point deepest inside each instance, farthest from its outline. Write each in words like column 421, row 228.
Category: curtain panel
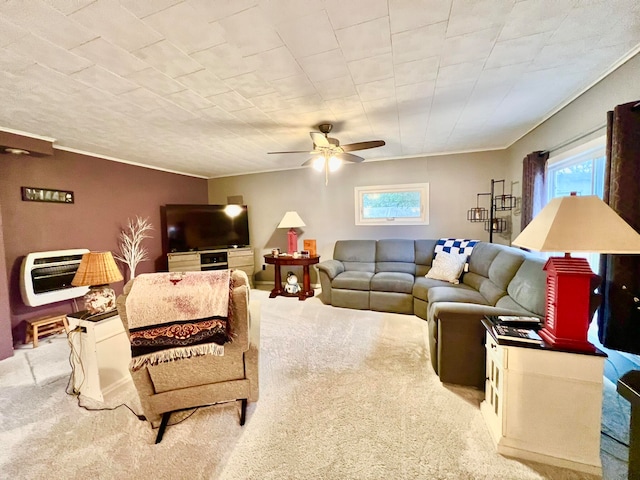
column 619, row 314
column 534, row 192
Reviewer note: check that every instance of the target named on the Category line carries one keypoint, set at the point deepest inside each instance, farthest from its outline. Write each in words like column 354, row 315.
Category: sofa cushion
column 356, row 254
column 482, row 257
column 353, row 280
column 446, row 266
column 395, row 256
column 528, row 286
column 424, row 256
column 392, row 282
column 422, row 285
column 504, row 267
column 492, row 272
column 507, row 303
column 449, row 294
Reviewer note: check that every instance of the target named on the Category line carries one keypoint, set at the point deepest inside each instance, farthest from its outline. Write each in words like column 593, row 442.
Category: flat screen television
column 205, row 227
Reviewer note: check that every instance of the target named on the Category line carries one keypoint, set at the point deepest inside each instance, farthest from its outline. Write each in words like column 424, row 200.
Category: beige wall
column 328, row 211
column 586, row 113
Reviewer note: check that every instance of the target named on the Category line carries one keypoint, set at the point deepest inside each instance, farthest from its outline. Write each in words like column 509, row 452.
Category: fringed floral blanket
column 174, row 316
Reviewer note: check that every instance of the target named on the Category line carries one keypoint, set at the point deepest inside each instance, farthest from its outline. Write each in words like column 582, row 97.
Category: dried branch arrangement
column 131, row 250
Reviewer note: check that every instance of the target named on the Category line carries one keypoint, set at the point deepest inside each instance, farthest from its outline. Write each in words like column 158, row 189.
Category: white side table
column 101, row 355
column 544, row 405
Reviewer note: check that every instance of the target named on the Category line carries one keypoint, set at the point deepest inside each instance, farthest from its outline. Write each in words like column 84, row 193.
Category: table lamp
column 97, row 270
column 574, row 224
column 291, row 220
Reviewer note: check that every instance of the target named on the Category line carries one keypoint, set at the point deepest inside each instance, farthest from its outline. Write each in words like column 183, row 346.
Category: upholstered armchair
column 207, row 379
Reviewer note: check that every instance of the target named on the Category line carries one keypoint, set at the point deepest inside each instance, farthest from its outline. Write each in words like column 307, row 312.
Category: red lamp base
column 567, row 314
column 565, row 343
column 292, row 238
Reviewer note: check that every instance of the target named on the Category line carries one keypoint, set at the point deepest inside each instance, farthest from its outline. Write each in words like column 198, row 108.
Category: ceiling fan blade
column 319, row 139
column 308, row 162
column 363, row 145
column 295, row 151
column 348, row 157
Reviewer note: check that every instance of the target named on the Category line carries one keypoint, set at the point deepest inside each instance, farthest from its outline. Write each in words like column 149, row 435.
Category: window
column 582, row 173
column 579, row 170
column 392, row 204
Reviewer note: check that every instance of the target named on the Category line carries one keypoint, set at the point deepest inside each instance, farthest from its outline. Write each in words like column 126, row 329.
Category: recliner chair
column 206, row 379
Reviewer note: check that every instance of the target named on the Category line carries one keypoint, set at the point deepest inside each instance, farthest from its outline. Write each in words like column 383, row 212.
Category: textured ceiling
column 208, row 87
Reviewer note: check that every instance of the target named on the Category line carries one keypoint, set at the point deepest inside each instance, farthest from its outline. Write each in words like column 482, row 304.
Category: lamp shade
column 291, row 220
column 96, row 268
column 579, row 224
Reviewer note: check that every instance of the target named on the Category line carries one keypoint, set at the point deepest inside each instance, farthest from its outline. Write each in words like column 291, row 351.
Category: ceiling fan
column 330, row 154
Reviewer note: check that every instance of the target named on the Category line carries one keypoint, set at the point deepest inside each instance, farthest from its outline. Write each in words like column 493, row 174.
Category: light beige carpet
column 344, row 394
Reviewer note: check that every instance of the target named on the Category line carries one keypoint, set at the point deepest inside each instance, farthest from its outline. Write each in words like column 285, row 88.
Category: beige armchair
column 206, row 379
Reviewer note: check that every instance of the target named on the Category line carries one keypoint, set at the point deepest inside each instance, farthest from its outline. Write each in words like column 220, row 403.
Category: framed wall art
column 33, row 194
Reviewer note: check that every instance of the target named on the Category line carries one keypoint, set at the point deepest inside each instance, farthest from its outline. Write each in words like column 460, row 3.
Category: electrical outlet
column 264, row 267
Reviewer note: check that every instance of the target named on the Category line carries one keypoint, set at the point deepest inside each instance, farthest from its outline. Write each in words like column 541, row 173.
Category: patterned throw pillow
column 446, row 266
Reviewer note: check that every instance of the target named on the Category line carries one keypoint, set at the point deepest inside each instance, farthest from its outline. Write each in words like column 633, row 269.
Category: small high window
column 579, row 170
column 392, row 204
column 582, row 173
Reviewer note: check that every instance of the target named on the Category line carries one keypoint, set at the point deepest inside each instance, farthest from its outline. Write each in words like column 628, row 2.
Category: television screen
column 205, row 227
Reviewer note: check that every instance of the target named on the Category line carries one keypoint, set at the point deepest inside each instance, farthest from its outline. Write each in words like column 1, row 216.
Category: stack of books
column 516, row 319
column 516, row 334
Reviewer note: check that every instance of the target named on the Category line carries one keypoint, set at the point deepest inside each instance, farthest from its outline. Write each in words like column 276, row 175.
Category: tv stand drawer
column 184, row 262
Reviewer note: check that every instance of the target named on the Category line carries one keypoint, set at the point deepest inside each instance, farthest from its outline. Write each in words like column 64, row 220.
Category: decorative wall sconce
column 498, row 203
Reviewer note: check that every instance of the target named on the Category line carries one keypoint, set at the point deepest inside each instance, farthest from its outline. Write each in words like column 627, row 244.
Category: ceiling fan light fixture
column 318, row 164
column 334, row 163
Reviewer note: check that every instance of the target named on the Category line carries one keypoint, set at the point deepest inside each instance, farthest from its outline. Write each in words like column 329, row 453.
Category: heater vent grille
column 45, row 277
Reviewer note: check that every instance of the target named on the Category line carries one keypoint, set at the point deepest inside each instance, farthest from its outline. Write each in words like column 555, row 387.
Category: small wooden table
column 36, row 327
column 280, row 260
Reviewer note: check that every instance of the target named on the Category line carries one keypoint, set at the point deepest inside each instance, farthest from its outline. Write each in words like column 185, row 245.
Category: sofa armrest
column 460, row 339
column 460, row 348
column 252, row 356
column 327, row 271
column 331, row 267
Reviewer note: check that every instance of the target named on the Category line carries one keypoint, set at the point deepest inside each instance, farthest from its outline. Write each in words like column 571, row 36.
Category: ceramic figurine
column 292, row 286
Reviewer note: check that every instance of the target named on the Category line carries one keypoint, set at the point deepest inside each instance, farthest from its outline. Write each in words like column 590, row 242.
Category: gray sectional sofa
column 389, row 276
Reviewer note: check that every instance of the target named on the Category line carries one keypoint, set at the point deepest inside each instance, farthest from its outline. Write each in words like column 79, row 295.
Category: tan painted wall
column 328, row 211
column 586, row 113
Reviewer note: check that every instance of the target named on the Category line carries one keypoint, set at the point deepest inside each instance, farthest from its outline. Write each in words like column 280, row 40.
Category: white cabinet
column 100, row 357
column 544, row 405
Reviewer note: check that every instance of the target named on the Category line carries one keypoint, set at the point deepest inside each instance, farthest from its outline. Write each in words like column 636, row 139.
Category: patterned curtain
column 619, row 314
column 533, row 186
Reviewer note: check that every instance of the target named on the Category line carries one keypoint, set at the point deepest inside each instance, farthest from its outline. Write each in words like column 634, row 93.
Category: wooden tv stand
column 240, row 258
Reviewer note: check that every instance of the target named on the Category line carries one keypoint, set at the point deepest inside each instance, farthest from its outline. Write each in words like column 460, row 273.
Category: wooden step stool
column 37, row 327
